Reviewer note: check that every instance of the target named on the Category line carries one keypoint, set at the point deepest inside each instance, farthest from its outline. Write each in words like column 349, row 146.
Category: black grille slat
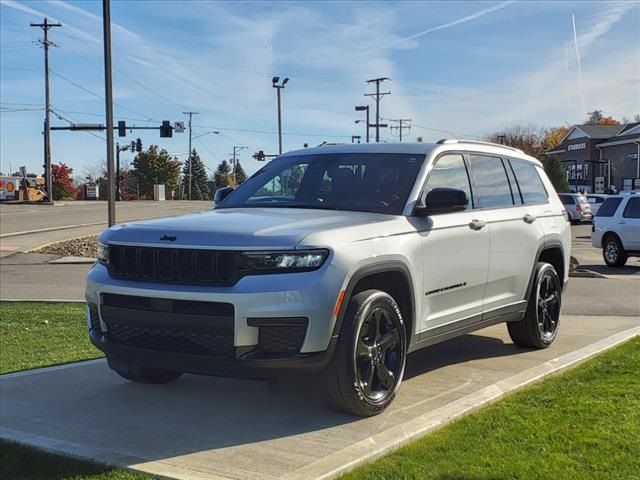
column 175, row 265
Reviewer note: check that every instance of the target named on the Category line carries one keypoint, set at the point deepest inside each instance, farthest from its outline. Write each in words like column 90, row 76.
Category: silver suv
column 341, row 260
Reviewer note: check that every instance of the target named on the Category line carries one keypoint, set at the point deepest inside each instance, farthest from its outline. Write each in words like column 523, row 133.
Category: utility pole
column 108, row 99
column 235, row 152
column 191, row 114
column 502, row 139
column 278, row 87
column 45, row 26
column 401, row 127
column 377, row 96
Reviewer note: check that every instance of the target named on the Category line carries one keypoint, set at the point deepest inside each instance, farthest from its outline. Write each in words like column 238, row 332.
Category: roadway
column 25, row 227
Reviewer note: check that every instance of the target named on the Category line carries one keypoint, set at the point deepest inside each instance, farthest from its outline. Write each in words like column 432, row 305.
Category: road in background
column 25, row 227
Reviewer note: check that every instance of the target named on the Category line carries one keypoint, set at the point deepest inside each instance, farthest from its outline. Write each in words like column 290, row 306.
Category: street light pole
column 278, row 87
column 108, row 97
column 365, row 108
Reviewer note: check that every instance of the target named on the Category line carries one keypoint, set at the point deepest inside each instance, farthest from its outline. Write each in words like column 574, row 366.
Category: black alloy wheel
column 378, row 354
column 548, row 296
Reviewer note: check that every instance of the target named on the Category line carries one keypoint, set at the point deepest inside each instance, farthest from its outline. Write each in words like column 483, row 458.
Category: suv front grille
column 176, row 326
column 194, row 341
column 174, row 265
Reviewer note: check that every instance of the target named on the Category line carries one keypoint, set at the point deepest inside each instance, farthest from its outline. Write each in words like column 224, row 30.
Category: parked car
column 595, row 200
column 577, row 207
column 337, row 260
column 616, row 229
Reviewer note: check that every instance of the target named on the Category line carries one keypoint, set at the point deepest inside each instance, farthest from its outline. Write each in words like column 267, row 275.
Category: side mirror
column 221, row 194
column 442, row 200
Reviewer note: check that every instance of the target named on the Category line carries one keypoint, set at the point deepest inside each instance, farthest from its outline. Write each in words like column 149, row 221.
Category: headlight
column 103, row 253
column 286, row 261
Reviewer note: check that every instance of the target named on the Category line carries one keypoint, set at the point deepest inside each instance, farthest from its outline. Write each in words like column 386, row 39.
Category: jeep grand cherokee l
column 337, row 260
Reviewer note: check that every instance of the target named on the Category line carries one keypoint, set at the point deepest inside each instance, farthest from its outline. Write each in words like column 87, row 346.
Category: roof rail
column 446, row 141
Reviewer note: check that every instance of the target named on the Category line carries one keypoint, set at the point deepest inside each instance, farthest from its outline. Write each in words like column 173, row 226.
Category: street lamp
column 206, row 133
column 365, row 108
column 275, row 83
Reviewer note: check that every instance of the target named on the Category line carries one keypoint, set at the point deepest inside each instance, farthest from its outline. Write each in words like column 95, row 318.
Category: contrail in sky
column 468, row 18
column 575, row 42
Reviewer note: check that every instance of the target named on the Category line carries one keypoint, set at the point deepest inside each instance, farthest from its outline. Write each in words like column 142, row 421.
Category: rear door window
column 531, row 186
column 609, row 207
column 632, row 210
column 490, row 183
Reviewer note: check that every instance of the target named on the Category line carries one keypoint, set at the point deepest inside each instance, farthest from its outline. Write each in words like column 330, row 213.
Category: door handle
column 477, row 224
column 622, row 222
column 528, row 218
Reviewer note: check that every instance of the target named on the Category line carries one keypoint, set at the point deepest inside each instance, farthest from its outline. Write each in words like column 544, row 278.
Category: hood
column 241, row 228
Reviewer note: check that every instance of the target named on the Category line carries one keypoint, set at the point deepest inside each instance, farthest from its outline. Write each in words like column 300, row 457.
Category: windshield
column 378, row 183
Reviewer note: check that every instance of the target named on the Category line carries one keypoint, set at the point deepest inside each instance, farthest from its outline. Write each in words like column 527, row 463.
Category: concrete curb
column 51, row 229
column 394, row 438
column 584, row 273
column 72, row 260
column 46, row 300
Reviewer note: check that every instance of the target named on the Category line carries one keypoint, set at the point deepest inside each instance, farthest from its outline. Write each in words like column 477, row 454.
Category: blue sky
column 458, row 69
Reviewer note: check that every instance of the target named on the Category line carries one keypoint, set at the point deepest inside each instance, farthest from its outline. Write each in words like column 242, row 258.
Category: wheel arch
column 550, row 252
column 393, row 277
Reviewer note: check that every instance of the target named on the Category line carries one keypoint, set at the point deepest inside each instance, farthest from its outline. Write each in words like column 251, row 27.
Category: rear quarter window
column 609, row 207
column 632, row 210
column 529, row 181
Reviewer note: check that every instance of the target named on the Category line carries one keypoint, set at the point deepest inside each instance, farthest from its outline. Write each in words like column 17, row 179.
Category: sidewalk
column 211, row 428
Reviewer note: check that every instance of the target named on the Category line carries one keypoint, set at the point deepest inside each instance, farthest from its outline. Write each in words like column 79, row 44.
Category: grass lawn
column 40, row 334
column 584, row 424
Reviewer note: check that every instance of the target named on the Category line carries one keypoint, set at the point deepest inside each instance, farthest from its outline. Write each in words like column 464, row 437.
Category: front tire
column 613, row 252
column 367, row 367
column 139, row 374
column 539, row 327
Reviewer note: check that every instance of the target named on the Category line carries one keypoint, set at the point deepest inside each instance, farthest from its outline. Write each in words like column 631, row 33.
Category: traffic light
column 122, row 128
column 166, row 130
column 133, row 146
column 138, row 145
column 259, row 156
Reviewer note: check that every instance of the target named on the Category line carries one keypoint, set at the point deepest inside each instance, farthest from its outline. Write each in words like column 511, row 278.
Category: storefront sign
column 577, row 146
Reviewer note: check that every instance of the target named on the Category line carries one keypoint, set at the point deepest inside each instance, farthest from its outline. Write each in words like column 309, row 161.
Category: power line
column 299, row 134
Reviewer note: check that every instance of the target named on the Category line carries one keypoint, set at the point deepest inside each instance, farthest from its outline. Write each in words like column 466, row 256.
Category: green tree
column 241, row 175
column 199, row 188
column 223, row 176
column 556, row 173
column 155, row 166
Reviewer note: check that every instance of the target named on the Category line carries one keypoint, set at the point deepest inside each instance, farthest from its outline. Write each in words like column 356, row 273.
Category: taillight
column 578, row 208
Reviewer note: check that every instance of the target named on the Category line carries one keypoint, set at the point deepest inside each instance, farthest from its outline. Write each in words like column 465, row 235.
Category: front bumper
column 307, row 295
column 245, row 365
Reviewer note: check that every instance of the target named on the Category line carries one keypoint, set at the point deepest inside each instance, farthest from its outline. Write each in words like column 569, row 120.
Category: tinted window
column 632, row 210
column 609, row 207
column 376, row 182
column 567, row 199
column 531, row 186
column 490, row 183
column 449, row 171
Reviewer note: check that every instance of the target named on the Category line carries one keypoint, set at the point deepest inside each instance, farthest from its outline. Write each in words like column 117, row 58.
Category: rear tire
column 539, row 327
column 613, row 252
column 368, row 364
column 140, row 374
